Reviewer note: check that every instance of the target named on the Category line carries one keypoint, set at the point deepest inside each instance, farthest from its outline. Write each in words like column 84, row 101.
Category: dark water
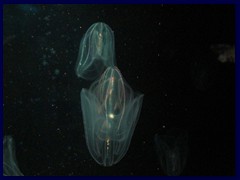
column 161, row 50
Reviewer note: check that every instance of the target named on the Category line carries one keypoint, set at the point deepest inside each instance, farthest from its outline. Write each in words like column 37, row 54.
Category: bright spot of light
column 111, row 115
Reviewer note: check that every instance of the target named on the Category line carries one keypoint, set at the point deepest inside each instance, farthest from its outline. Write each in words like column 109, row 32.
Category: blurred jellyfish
column 10, row 167
column 172, row 150
column 225, row 52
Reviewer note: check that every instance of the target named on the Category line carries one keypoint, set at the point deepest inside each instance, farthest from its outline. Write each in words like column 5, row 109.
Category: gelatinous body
column 96, row 51
column 10, row 166
column 110, row 113
column 172, row 150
